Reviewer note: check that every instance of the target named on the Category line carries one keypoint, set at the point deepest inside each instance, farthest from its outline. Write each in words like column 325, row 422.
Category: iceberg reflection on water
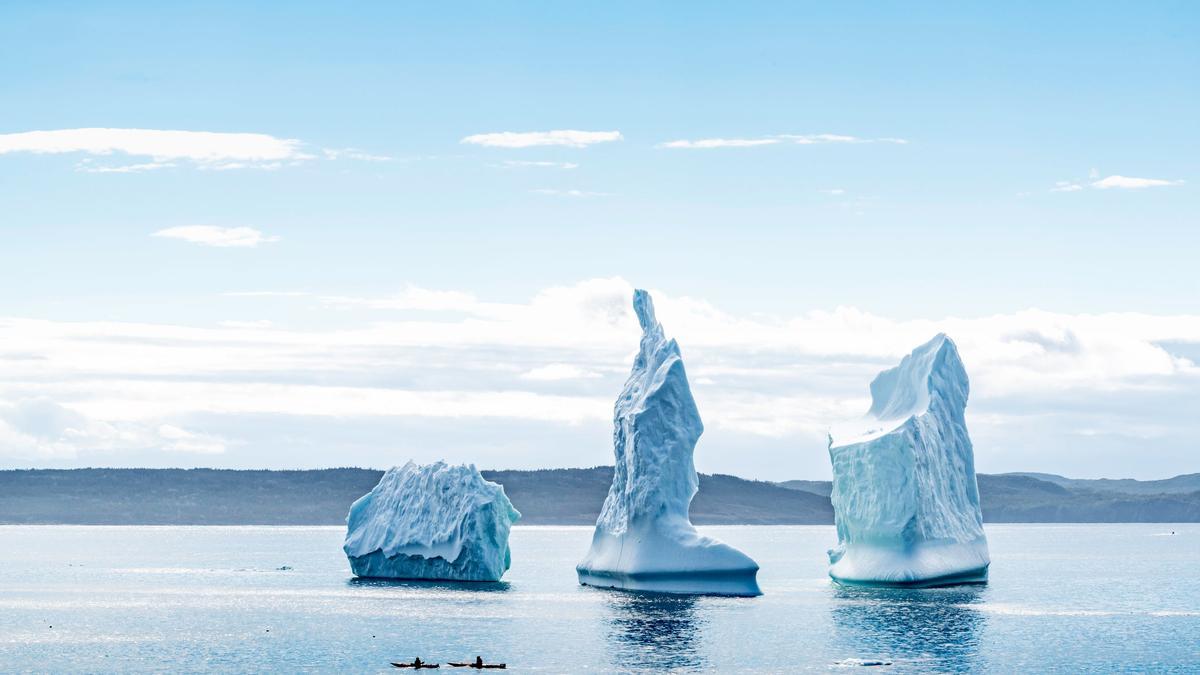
column 936, row 629
column 654, row 631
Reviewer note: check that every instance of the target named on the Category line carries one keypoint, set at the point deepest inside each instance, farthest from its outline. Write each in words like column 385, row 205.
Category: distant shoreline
column 234, row 497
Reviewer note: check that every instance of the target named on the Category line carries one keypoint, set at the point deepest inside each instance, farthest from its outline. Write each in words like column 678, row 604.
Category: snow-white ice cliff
column 904, row 492
column 431, row 522
column 643, row 538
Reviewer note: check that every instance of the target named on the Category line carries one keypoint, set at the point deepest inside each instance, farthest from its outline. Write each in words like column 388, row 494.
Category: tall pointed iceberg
column 433, row 521
column 904, row 492
column 643, row 538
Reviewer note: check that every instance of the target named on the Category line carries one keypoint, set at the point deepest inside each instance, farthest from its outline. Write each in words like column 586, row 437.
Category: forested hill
column 546, row 497
column 322, row 497
column 1036, row 498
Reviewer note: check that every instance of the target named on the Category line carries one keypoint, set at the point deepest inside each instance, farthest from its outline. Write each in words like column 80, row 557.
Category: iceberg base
column 414, row 567
column 969, row 577
column 667, row 557
column 741, row 582
column 921, row 565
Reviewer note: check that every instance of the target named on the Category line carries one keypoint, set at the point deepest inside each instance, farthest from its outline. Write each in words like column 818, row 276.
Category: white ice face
column 643, row 538
column 904, row 492
column 431, row 522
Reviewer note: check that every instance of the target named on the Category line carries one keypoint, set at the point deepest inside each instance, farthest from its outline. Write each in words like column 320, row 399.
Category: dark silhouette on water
column 416, row 664
column 478, row 663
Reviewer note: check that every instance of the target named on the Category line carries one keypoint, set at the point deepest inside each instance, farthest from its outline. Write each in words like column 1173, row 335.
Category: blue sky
column 920, row 167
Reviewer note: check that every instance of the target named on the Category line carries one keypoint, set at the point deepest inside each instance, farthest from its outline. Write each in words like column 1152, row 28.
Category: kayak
column 414, row 665
column 486, row 665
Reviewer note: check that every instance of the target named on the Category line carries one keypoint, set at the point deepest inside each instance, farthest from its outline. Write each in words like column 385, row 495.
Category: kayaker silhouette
column 417, row 664
column 478, row 664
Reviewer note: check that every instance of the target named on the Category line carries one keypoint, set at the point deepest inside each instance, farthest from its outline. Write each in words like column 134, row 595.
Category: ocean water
column 1067, row 598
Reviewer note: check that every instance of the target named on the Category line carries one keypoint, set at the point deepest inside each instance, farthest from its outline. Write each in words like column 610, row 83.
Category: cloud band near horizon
column 1045, row 386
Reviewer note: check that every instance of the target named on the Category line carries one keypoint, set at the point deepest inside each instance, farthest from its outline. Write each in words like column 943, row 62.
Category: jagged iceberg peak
column 643, row 538
column 433, row 521
column 932, row 375
column 905, row 496
column 655, row 427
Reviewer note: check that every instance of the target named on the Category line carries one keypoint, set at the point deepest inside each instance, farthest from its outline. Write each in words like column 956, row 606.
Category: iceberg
column 643, row 538
column 436, row 522
column 904, row 496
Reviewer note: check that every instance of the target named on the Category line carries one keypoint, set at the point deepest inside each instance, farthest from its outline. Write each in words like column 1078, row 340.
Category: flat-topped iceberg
column 904, row 492
column 431, row 522
column 643, row 538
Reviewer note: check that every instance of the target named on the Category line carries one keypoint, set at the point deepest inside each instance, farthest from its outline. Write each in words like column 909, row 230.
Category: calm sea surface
column 1064, row 598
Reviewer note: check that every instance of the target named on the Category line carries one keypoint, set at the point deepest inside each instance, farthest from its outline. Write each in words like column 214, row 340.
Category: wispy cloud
column 516, row 163
column 1066, row 186
column 1128, row 183
column 569, row 193
column 354, row 153
column 88, row 166
column 777, row 139
column 1113, row 182
column 570, row 138
column 212, row 235
column 203, row 149
column 816, row 139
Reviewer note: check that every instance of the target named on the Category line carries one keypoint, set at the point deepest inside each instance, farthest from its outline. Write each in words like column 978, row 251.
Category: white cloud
column 1111, row 182
column 40, row 428
column 1066, row 186
column 182, row 440
column 86, row 166
column 354, row 153
column 127, row 402
column 233, row 166
column 835, row 192
column 816, row 139
column 446, row 357
column 559, row 371
column 1125, row 182
column 515, row 163
column 798, row 139
column 204, row 149
column 261, row 323
column 212, row 235
column 410, row 298
column 569, row 193
column 528, row 139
